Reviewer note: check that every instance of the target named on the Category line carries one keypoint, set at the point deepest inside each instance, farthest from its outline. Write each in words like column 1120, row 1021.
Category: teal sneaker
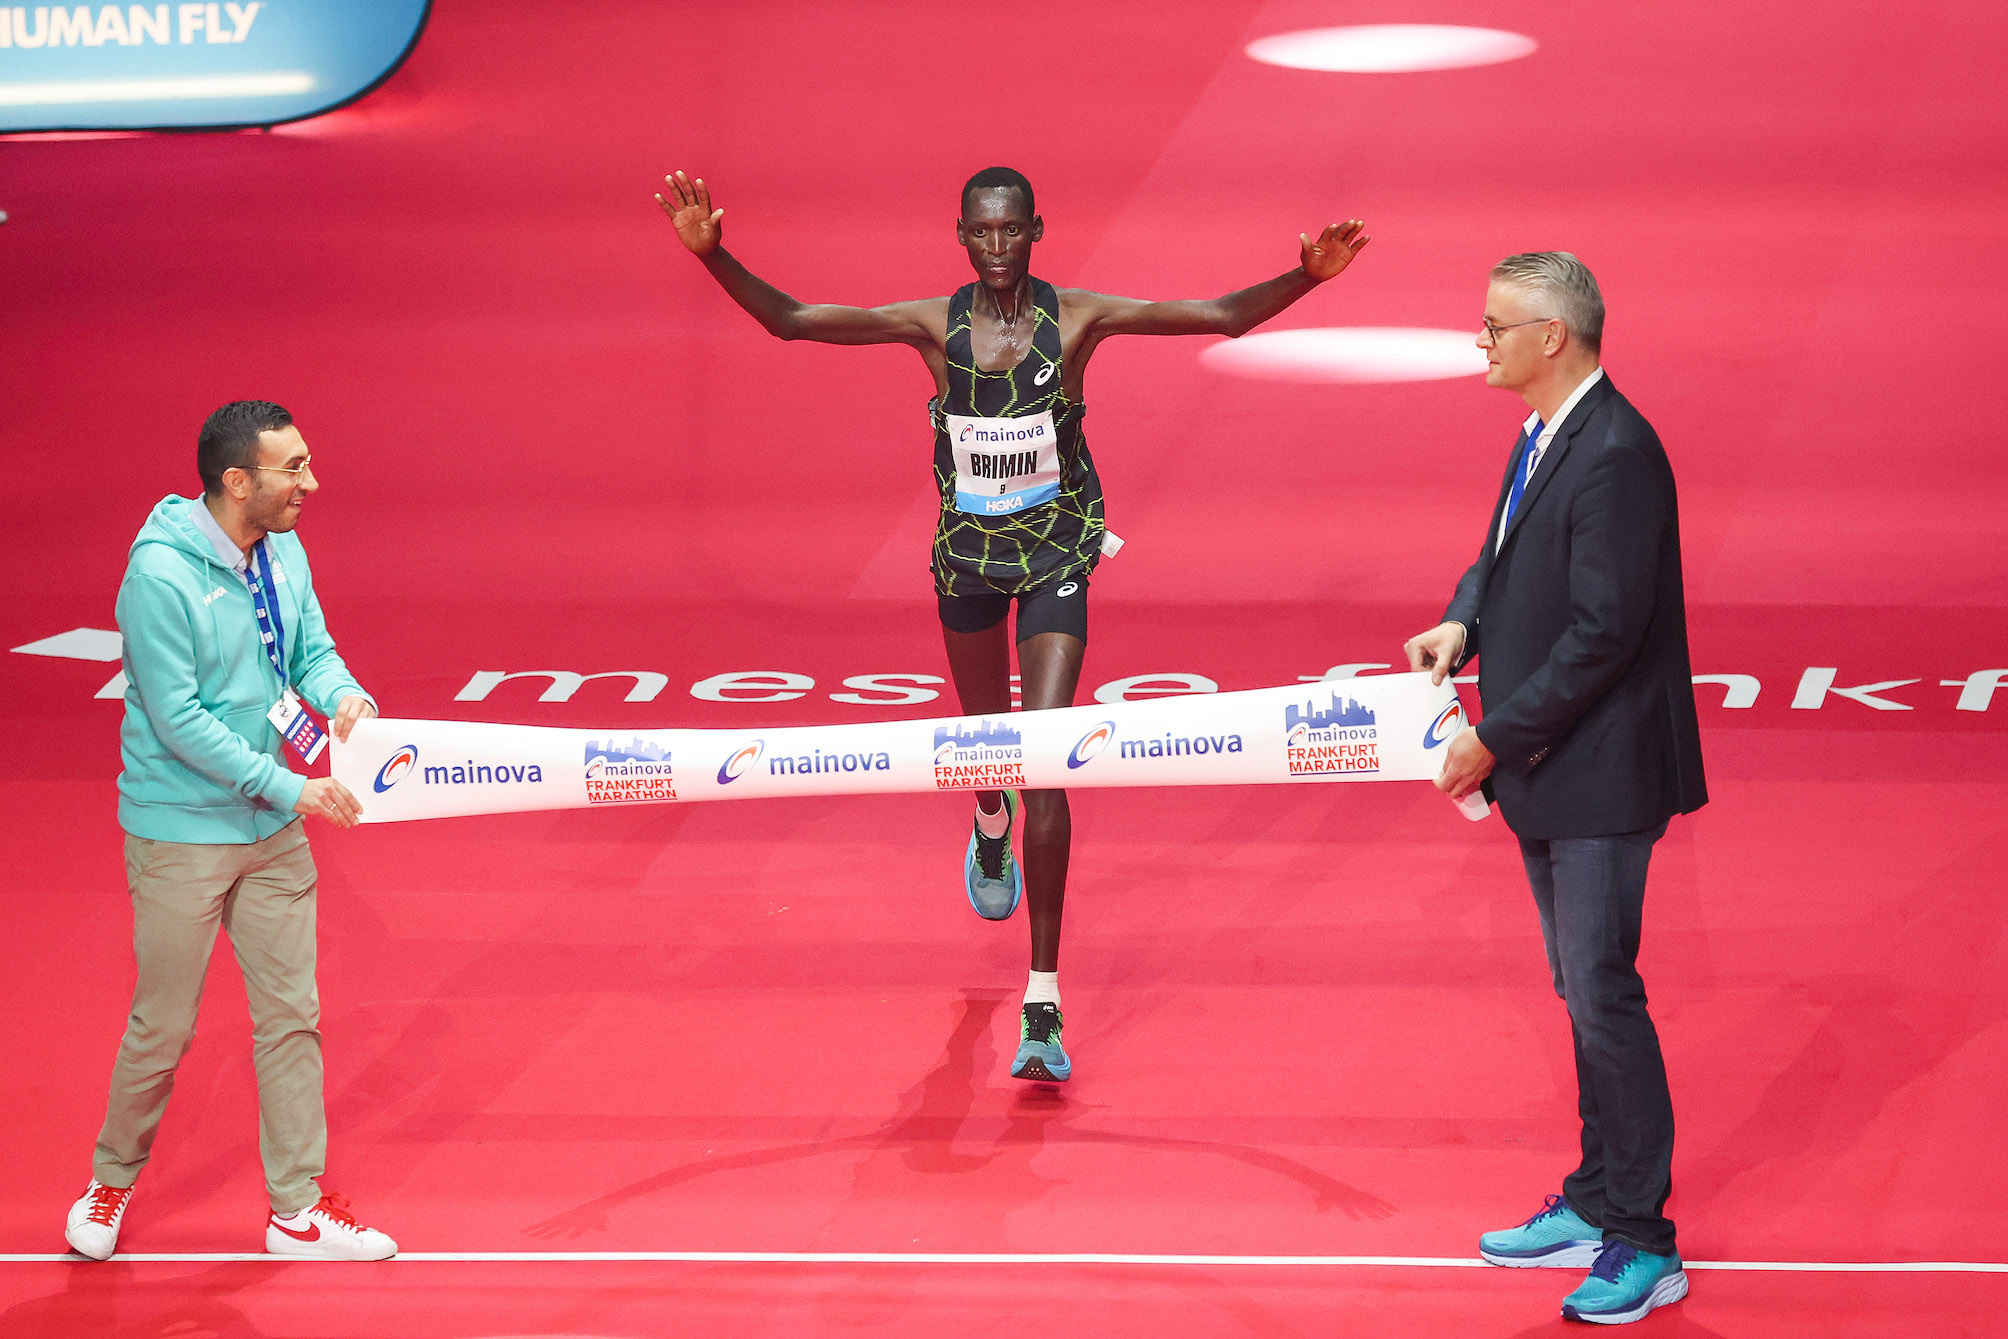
column 989, row 873
column 1039, row 1055
column 1556, row 1237
column 1626, row 1284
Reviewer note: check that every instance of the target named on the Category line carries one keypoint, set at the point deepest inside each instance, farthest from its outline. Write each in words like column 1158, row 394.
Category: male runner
column 1021, row 507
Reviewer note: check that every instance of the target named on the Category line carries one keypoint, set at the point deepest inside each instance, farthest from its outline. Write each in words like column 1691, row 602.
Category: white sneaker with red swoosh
column 328, row 1231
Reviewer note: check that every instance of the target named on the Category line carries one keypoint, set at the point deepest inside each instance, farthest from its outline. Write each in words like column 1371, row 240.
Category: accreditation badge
column 302, row 733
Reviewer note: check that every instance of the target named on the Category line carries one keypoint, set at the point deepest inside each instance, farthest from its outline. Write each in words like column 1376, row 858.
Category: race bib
column 1004, row 465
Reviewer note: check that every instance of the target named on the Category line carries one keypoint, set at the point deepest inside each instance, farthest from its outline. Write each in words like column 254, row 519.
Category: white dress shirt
column 1540, row 446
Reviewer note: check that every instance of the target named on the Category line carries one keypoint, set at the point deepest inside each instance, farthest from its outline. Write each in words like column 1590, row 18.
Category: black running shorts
column 1059, row 606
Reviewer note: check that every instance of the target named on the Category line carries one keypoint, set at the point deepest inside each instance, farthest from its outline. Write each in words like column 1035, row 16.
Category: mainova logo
column 983, row 756
column 816, row 762
column 1339, row 737
column 1444, row 726
column 630, row 773
column 1090, row 745
column 1036, row 431
column 744, row 757
column 471, row 773
column 397, row 769
column 1181, row 746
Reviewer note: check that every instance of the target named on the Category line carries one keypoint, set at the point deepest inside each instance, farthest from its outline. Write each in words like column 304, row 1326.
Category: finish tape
column 1387, row 727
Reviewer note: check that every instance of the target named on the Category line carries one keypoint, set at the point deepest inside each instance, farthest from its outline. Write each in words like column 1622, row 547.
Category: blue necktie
column 1529, row 459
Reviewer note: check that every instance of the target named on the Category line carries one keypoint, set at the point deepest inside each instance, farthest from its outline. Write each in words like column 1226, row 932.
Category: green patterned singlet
column 1011, row 521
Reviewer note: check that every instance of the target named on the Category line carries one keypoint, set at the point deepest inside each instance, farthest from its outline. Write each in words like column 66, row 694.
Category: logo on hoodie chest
column 212, row 597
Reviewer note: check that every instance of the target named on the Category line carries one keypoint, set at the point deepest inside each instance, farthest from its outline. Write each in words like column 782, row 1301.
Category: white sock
column 1043, row 988
column 993, row 825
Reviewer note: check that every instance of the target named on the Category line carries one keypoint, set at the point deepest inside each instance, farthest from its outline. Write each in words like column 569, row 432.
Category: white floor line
column 922, row 1258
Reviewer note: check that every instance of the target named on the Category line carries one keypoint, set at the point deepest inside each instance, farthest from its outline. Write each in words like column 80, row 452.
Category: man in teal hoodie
column 223, row 640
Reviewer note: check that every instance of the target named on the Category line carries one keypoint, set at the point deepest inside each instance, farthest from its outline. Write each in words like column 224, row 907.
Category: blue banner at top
column 180, row 65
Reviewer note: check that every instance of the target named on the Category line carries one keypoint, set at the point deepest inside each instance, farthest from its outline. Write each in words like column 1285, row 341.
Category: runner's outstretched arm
column 700, row 227
column 1324, row 257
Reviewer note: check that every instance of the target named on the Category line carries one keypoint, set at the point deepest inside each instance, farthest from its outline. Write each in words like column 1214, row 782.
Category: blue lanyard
column 265, row 599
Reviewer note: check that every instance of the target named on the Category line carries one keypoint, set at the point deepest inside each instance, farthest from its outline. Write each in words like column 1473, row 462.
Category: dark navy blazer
column 1579, row 626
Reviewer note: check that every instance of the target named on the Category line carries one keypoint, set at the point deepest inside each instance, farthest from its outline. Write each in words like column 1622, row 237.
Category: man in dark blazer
column 1588, row 745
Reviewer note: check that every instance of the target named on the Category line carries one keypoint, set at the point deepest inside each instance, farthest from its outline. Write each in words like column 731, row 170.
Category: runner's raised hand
column 697, row 223
column 1329, row 255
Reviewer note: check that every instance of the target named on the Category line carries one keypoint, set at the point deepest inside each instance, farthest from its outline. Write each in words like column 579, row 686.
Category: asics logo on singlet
column 1045, row 374
column 1067, row 589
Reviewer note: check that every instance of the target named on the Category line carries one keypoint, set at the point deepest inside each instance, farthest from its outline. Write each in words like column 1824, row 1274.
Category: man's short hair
column 1567, row 284
column 229, row 439
column 999, row 178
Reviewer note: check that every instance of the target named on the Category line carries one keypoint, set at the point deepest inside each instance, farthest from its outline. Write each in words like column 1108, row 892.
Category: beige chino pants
column 263, row 894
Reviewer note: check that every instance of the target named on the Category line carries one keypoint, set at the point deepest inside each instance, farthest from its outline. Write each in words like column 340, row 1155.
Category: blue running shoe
column 989, row 873
column 1554, row 1237
column 1039, row 1054
column 1626, row 1284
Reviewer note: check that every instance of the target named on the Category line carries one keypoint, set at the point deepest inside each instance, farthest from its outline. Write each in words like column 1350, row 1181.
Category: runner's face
column 999, row 231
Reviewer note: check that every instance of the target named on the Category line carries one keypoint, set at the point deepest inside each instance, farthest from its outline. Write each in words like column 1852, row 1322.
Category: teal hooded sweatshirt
column 202, row 763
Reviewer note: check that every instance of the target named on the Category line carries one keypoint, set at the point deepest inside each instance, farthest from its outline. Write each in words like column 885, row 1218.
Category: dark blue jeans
column 1591, row 895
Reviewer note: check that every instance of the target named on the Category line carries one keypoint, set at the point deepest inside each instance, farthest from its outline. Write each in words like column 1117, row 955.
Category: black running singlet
column 1020, row 503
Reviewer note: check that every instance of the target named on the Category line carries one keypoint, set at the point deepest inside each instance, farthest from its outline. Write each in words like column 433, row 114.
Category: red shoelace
column 336, row 1207
column 106, row 1201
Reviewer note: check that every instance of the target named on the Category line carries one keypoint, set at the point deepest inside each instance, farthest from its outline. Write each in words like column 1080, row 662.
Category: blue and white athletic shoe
column 1625, row 1285
column 1555, row 1237
column 1040, row 1057
column 990, row 873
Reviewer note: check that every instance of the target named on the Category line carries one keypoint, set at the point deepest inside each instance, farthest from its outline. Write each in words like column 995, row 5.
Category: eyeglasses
column 1492, row 331
column 294, row 470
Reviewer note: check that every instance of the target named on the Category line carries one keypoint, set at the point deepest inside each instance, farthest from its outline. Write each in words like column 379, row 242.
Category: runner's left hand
column 348, row 711
column 1334, row 249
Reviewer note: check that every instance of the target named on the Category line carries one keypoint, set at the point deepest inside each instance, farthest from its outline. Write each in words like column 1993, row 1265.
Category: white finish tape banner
column 1391, row 727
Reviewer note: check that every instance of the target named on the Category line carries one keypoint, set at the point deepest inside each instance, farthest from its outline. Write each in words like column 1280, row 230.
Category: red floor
column 1305, row 1022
